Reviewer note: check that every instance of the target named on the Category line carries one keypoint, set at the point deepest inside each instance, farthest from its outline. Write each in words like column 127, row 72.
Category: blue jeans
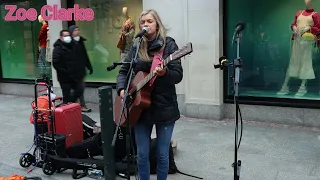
column 43, row 65
column 142, row 137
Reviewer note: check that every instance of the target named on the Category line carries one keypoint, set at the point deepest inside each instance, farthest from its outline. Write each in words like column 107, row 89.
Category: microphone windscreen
column 242, row 25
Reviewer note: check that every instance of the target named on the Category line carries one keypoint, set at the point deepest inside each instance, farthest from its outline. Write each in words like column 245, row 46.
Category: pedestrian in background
column 69, row 71
column 83, row 60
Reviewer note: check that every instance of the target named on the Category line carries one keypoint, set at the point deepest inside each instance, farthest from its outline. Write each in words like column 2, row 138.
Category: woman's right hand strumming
column 122, row 93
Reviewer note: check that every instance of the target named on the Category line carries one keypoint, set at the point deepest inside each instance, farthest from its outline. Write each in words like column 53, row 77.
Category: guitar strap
column 157, row 60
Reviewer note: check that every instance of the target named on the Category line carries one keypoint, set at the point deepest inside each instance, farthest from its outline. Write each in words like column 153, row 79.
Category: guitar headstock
column 183, row 51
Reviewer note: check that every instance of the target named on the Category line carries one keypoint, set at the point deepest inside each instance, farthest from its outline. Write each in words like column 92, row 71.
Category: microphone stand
column 237, row 64
column 127, row 99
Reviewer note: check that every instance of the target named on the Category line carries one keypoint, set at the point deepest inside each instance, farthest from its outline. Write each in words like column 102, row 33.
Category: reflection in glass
column 112, row 18
column 18, row 43
column 277, row 60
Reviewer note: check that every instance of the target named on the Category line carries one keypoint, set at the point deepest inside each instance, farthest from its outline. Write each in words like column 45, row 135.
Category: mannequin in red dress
column 305, row 27
column 43, row 65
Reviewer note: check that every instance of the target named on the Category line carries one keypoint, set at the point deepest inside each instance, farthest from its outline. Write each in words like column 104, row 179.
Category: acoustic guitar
column 140, row 90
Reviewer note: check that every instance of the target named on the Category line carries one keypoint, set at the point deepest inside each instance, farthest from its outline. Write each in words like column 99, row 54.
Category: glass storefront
column 103, row 33
column 18, row 42
column 276, row 63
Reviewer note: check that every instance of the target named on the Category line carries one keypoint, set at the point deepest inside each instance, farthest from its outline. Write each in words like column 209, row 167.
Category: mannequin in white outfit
column 300, row 65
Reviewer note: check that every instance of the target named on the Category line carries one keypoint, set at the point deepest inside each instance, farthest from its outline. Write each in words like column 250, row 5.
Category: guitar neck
column 187, row 49
column 142, row 83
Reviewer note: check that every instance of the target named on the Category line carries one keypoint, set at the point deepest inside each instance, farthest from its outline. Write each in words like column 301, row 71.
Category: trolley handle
column 42, row 84
column 39, row 82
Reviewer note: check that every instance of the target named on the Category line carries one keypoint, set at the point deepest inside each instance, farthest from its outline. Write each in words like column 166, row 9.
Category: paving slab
column 205, row 147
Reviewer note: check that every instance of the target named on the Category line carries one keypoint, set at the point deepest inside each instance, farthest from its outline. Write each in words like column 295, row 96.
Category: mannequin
column 42, row 39
column 127, row 33
column 305, row 27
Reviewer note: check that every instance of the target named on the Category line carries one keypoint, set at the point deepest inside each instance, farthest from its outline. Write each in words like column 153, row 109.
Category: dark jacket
column 164, row 105
column 83, row 55
column 65, row 61
column 70, row 60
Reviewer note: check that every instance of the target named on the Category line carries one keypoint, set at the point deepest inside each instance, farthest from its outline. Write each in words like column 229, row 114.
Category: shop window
column 103, row 33
column 274, row 64
column 18, row 42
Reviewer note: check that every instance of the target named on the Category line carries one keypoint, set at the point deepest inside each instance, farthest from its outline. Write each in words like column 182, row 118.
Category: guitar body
column 140, row 91
column 141, row 101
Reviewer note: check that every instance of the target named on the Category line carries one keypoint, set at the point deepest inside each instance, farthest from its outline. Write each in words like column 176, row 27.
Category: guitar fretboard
column 142, row 83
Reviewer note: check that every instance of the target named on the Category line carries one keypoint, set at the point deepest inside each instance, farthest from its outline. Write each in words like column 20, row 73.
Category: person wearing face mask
column 163, row 111
column 83, row 60
column 69, row 73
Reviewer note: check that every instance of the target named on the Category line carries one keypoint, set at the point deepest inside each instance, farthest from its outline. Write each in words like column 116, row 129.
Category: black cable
column 132, row 146
column 241, row 126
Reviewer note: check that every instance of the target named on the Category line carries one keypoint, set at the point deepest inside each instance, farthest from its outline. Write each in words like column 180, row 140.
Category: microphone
column 115, row 64
column 223, row 62
column 240, row 27
column 112, row 67
column 143, row 31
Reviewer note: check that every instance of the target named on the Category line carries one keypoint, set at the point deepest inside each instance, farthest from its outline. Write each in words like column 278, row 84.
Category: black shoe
column 84, row 109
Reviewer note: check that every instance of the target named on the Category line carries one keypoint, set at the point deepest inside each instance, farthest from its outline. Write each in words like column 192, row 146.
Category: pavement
column 205, row 148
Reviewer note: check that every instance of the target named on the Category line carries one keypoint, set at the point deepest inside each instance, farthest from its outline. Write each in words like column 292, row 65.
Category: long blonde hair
column 162, row 33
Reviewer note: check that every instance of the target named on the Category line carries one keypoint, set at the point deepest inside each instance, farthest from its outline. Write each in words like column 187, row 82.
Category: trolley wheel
column 48, row 169
column 26, row 160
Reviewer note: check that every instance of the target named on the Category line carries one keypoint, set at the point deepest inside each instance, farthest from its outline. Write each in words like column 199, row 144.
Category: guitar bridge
column 132, row 95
